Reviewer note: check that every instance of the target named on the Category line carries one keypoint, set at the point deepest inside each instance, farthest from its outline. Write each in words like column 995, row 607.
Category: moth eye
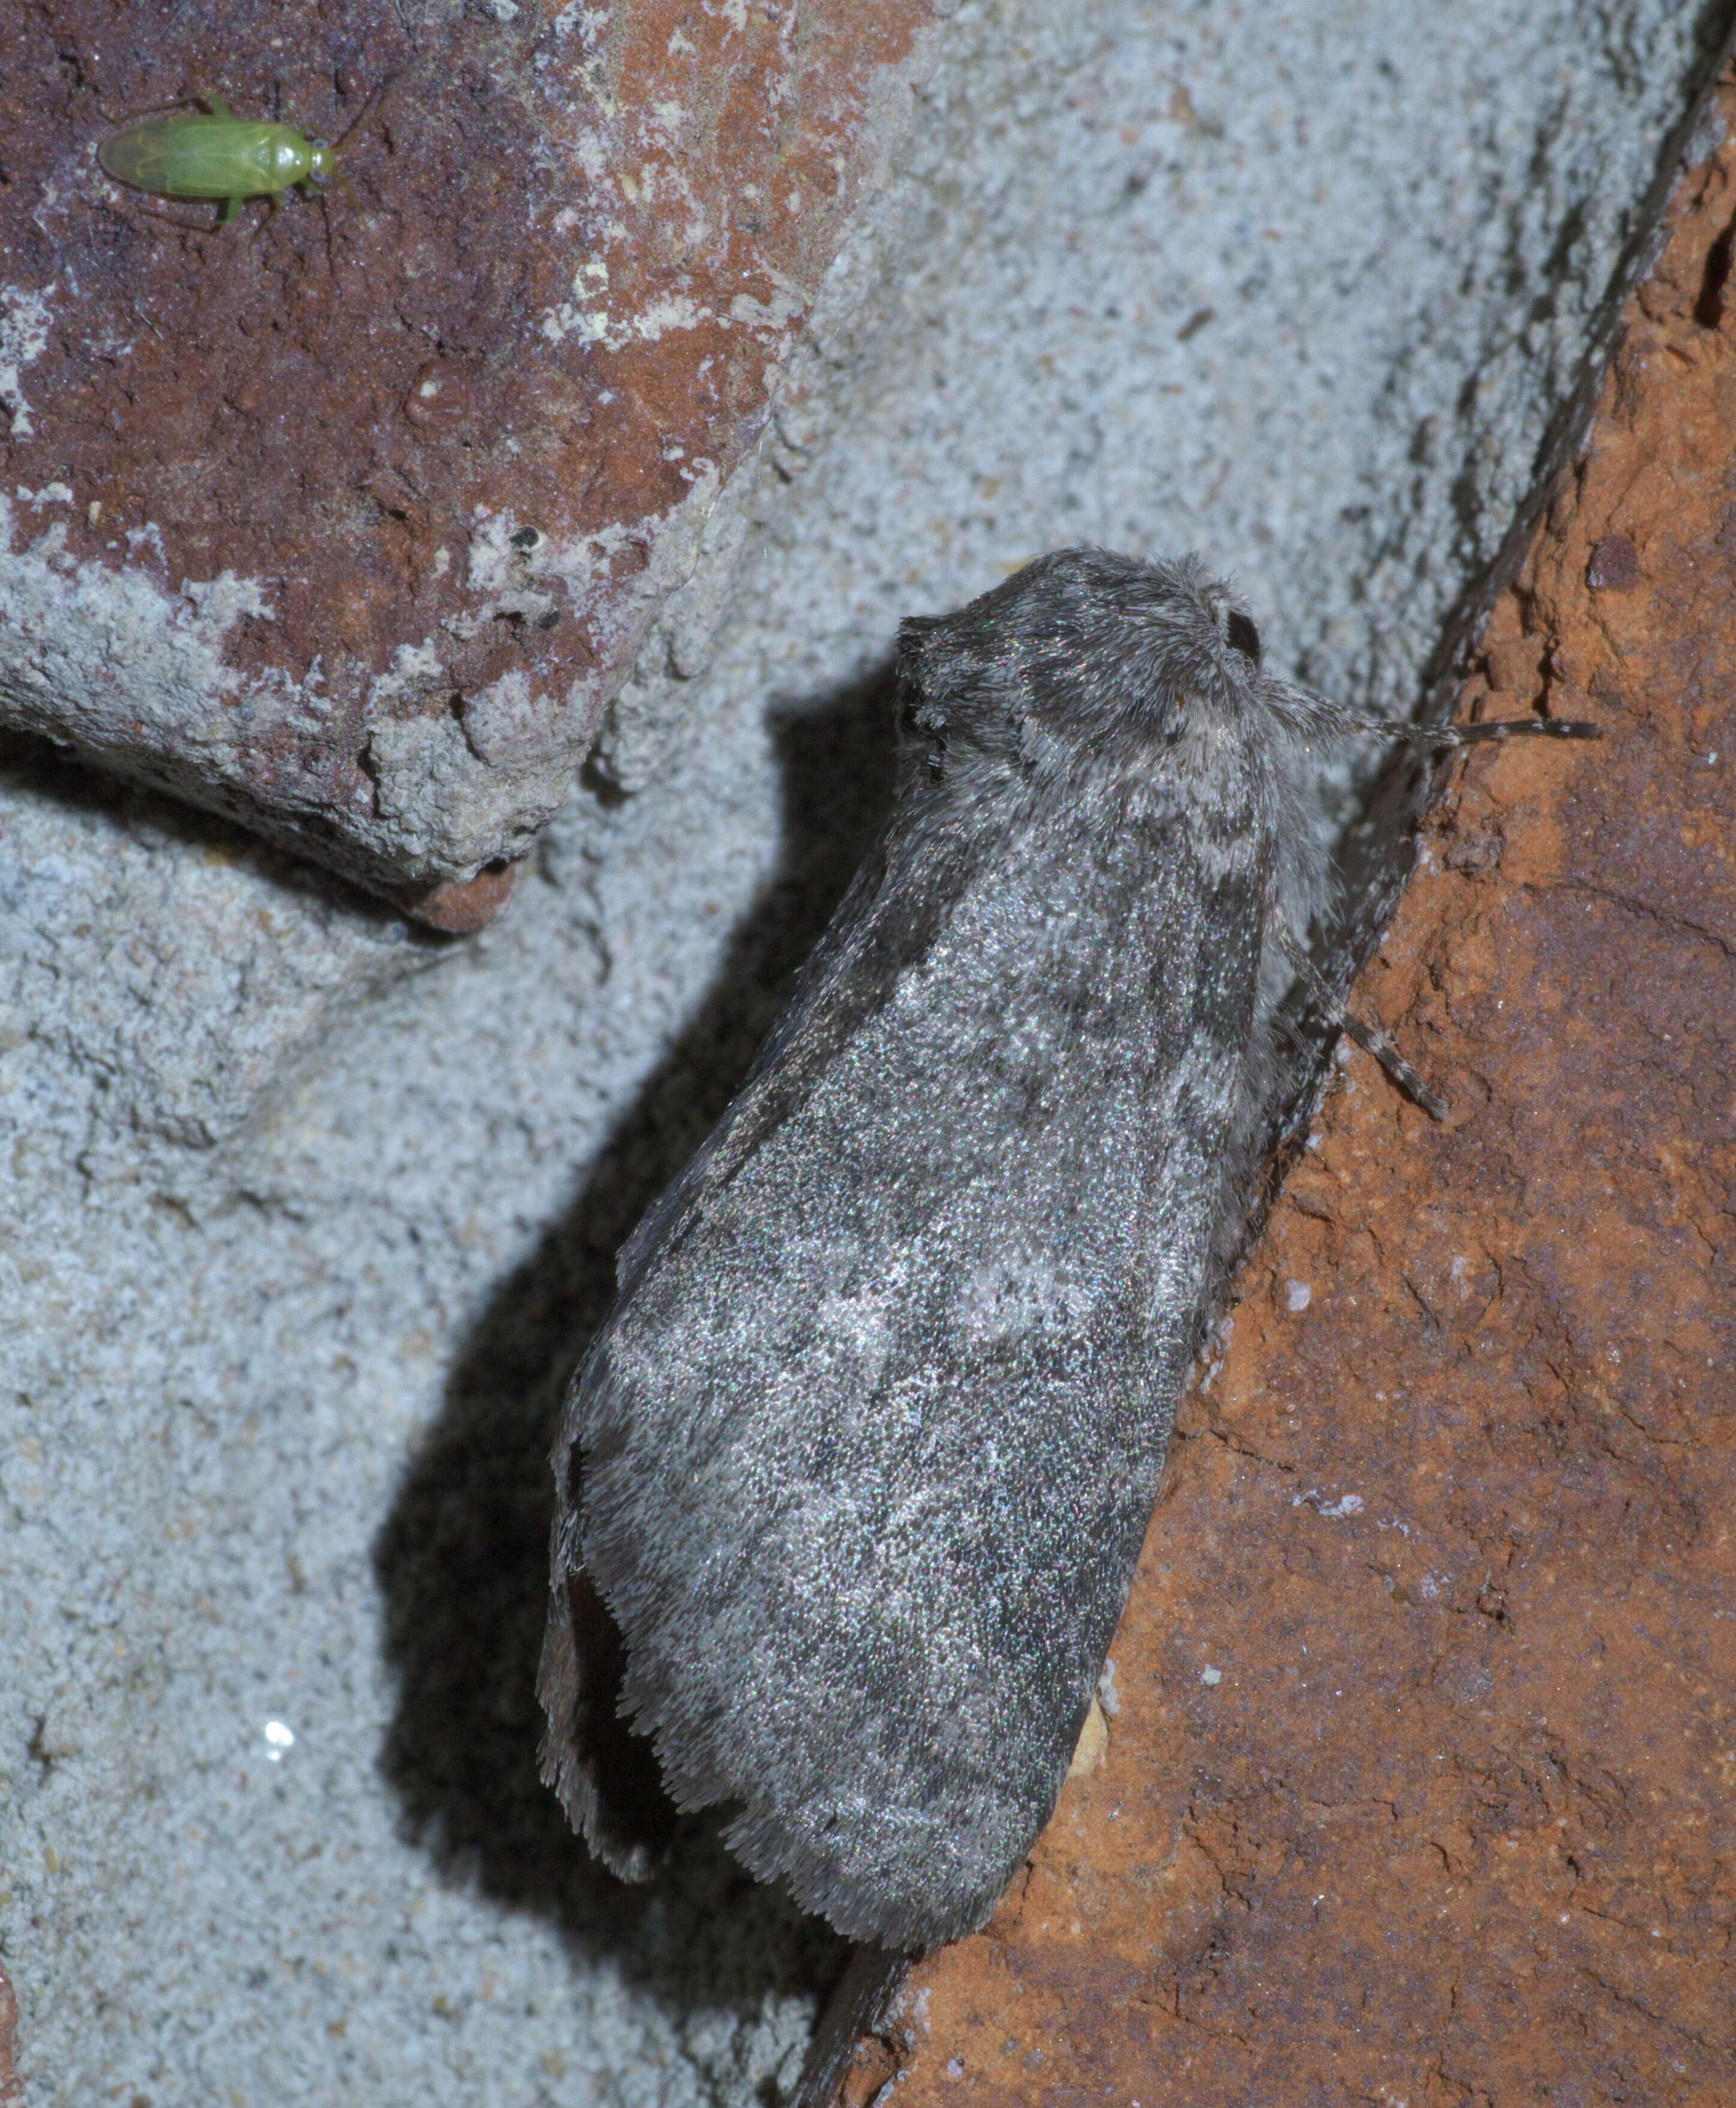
column 1243, row 634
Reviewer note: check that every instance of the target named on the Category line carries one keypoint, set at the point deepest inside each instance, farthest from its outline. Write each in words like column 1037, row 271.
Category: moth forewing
column 868, row 1449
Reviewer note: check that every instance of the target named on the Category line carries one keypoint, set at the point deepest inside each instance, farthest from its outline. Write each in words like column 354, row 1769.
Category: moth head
column 1082, row 647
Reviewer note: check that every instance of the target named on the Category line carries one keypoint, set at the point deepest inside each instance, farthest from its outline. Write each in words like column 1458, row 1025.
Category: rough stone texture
column 352, row 530
column 302, row 1215
column 1418, row 1786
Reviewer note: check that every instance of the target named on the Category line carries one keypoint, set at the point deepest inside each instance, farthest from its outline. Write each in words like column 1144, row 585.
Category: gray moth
column 860, row 1464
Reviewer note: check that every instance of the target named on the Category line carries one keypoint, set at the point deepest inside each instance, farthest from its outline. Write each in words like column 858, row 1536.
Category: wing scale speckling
column 861, row 1463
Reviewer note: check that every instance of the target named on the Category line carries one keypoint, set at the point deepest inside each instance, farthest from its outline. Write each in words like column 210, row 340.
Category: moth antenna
column 1369, row 1037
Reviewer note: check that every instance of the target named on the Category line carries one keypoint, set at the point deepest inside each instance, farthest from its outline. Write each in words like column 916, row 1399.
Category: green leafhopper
column 212, row 153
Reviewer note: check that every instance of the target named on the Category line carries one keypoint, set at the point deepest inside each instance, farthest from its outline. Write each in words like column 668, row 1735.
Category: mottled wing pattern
column 870, row 1448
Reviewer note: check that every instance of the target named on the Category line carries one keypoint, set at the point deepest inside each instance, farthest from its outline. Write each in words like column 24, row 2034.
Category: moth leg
column 1501, row 728
column 1498, row 729
column 231, row 207
column 1369, row 1037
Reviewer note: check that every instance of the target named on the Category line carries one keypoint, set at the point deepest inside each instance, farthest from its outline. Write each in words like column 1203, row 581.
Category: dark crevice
column 1708, row 308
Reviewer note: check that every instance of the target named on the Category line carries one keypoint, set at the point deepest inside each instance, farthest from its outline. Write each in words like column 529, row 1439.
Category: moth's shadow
column 463, row 1558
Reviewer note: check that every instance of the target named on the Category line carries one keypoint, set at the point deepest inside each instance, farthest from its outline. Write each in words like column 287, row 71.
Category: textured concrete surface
column 350, row 524
column 1416, row 1783
column 306, row 1214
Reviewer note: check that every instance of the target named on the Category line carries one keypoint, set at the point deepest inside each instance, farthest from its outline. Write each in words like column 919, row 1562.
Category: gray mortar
column 306, row 1215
